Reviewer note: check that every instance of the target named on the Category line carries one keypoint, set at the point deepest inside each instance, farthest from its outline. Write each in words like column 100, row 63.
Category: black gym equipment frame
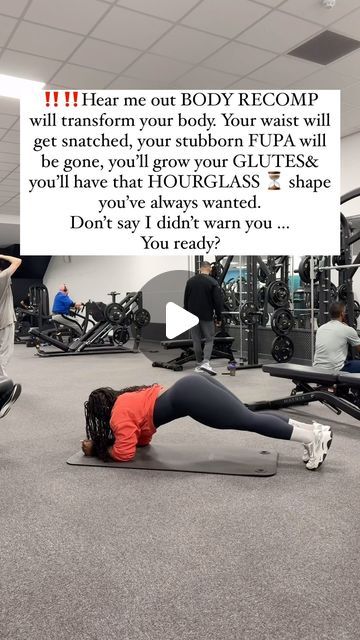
column 347, row 239
column 36, row 315
column 115, row 315
column 312, row 385
column 250, row 316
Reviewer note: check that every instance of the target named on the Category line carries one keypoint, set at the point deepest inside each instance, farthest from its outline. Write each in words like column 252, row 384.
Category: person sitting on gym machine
column 119, row 421
column 333, row 340
column 62, row 308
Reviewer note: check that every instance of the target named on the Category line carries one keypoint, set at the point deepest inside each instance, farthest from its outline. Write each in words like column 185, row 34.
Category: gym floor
column 101, row 554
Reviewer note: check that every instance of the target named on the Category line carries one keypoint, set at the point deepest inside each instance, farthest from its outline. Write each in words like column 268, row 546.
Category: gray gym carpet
column 101, row 554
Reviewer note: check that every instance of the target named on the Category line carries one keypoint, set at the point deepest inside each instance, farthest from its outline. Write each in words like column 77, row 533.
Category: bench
column 222, row 349
column 339, row 391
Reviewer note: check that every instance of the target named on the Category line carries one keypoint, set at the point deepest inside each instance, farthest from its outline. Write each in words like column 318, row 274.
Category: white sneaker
column 319, row 448
column 318, row 426
column 206, row 366
column 15, row 394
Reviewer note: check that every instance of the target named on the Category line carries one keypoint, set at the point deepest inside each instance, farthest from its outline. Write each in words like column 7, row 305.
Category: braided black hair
column 98, row 410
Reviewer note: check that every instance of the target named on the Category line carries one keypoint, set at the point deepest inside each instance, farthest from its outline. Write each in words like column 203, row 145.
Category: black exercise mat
column 223, row 459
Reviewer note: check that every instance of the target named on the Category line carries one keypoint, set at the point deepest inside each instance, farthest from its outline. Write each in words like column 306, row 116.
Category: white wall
column 93, row 277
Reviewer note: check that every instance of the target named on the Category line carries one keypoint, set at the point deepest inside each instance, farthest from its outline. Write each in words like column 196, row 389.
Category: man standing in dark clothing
column 203, row 298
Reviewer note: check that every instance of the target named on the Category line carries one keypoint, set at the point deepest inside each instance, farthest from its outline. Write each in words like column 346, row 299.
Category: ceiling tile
column 6, row 163
column 226, row 18
column 25, row 65
column 316, row 12
column 75, row 77
column 167, row 9
column 202, row 78
column 238, row 58
column 12, row 185
column 6, row 121
column 7, row 147
column 130, row 29
column 269, row 3
column 71, row 15
column 103, row 55
column 45, row 41
column 284, row 70
column 7, row 194
column 324, row 79
column 132, row 83
column 350, row 25
column 348, row 66
column 187, row 44
column 9, row 105
column 351, row 95
column 6, row 26
column 248, row 83
column 13, row 7
column 278, row 32
column 161, row 70
column 52, row 86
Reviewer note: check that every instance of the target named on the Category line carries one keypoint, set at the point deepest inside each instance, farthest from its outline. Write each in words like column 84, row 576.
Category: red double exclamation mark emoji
column 67, row 98
column 47, row 98
column 56, row 98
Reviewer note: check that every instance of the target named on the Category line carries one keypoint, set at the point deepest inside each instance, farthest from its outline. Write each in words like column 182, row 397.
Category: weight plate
column 142, row 317
column 342, row 292
column 304, row 270
column 121, row 335
column 278, row 293
column 261, row 296
column 338, row 260
column 282, row 321
column 333, row 292
column 114, row 313
column 249, row 313
column 282, row 349
column 356, row 309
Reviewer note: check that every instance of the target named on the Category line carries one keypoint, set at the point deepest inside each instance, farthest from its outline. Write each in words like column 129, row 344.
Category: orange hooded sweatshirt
column 132, row 421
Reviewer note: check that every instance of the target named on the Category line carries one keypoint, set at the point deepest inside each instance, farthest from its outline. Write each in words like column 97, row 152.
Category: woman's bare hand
column 87, row 447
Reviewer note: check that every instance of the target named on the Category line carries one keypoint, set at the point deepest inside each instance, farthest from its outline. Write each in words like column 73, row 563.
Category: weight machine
column 273, row 297
column 36, row 315
column 109, row 334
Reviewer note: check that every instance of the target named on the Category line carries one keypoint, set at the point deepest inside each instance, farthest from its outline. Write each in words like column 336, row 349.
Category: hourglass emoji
column 274, row 176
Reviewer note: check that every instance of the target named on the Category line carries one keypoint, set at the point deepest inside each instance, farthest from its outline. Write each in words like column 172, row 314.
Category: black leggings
column 206, row 400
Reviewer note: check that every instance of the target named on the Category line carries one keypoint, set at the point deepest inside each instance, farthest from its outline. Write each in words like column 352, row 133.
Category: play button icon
column 178, row 320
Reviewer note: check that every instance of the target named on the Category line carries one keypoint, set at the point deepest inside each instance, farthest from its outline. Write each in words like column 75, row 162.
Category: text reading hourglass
column 274, row 176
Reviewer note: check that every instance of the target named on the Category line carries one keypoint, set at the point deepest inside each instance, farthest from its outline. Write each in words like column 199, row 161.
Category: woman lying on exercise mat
column 119, row 421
